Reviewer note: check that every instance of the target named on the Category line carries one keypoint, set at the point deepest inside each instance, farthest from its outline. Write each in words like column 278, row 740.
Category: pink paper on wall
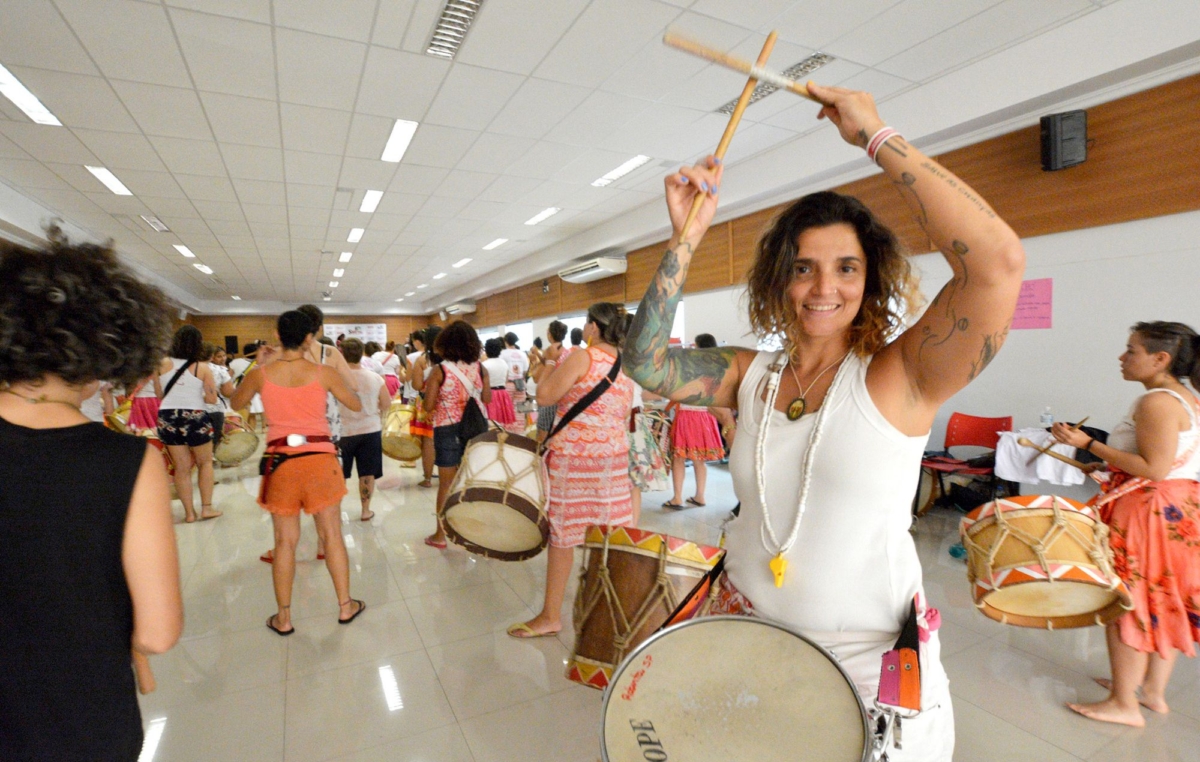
column 1035, row 306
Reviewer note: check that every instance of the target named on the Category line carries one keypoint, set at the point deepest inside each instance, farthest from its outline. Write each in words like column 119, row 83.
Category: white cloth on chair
column 1017, row 463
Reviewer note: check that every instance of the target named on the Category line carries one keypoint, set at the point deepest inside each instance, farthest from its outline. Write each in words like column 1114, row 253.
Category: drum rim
column 635, row 653
column 526, row 508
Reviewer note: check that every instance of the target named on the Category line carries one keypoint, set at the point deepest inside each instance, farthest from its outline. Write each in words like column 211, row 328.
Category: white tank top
column 1124, row 438
column 854, row 568
column 186, row 394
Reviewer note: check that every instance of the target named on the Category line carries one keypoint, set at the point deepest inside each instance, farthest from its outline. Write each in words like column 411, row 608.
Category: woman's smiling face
column 828, row 280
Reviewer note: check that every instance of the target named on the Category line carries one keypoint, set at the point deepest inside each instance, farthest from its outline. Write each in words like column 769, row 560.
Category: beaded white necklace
column 770, row 540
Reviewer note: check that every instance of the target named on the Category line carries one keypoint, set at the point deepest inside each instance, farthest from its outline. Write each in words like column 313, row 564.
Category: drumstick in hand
column 145, row 676
column 1047, row 451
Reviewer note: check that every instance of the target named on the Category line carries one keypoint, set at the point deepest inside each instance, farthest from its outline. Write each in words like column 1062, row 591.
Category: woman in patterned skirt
column 588, row 460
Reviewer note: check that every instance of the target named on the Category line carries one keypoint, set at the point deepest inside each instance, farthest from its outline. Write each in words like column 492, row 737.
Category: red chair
column 962, row 431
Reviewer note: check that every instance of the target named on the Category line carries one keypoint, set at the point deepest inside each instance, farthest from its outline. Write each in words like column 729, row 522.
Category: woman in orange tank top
column 293, row 392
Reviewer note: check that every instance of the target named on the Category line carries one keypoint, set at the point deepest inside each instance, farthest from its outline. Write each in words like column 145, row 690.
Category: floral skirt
column 649, row 470
column 1155, row 541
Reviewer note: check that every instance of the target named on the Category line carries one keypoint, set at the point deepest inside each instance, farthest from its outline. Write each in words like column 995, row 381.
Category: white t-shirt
column 220, row 378
column 238, row 367
column 390, row 361
column 188, row 391
column 516, row 362
column 409, row 391
column 369, row 363
column 497, row 371
column 368, row 420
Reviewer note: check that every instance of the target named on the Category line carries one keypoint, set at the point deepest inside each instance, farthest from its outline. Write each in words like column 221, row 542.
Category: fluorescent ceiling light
column 423, row 285
column 185, row 251
column 409, row 293
column 339, row 272
column 495, row 244
column 355, row 236
column 203, row 268
column 110, row 180
column 621, row 171
column 236, row 298
column 327, row 298
column 439, row 276
column 11, row 88
column 333, row 284
column 155, row 223
column 397, row 144
column 798, row 71
column 400, row 299
column 543, row 215
column 452, row 27
column 370, row 201
column 345, row 256
column 461, row 262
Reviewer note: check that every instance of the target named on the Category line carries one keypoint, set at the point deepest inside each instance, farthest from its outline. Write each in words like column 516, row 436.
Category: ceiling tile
column 651, row 133
column 400, row 204
column 180, row 226
column 111, row 202
column 250, row 10
column 246, row 121
column 389, row 222
column 128, row 40
column 391, row 22
column 311, row 168
column 755, row 138
column 253, row 162
column 225, row 55
column 190, row 157
column 168, row 111
column 368, row 136
column 509, row 188
column 436, row 146
column 207, row 188
column 598, row 115
column 363, row 174
column 21, row 48
column 876, row 83
column 400, row 85
column 544, row 160
column 307, row 197
column 317, row 71
column 350, row 19
column 482, row 210
column 492, row 151
column 586, row 166
column 506, row 36
column 143, row 183
column 117, row 150
column 536, row 107
column 471, row 97
column 465, row 185
column 424, row 15
column 177, row 209
column 416, row 179
column 77, row 100
column 901, row 27
column 272, row 213
column 816, row 23
column 47, row 143
column 24, row 173
column 609, row 31
column 318, row 130
column 752, row 14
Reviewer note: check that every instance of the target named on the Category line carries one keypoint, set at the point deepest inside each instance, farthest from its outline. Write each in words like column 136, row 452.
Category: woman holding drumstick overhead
column 826, row 477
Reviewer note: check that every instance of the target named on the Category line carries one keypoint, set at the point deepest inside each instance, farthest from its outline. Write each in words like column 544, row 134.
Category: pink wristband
column 878, row 139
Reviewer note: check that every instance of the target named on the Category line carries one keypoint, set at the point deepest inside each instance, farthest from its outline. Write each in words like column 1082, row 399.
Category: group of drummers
column 818, row 568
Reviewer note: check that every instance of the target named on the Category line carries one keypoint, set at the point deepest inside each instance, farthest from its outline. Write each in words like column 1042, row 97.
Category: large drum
column 398, row 441
column 496, row 504
column 1042, row 561
column 118, row 420
column 733, row 688
column 632, row 581
column 237, row 442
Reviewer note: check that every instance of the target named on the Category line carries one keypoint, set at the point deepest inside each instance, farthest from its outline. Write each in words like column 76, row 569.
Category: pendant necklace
column 40, row 400
column 796, row 407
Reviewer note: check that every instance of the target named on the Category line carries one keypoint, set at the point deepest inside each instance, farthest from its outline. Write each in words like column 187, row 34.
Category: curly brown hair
column 891, row 294
column 458, row 342
column 76, row 312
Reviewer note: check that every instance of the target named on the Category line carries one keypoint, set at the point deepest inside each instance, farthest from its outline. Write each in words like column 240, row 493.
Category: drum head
column 235, row 447
column 1041, row 599
column 483, row 524
column 732, row 688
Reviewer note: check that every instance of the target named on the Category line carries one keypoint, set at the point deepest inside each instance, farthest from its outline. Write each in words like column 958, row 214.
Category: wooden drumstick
column 734, row 119
column 1047, row 451
column 754, row 71
column 145, row 675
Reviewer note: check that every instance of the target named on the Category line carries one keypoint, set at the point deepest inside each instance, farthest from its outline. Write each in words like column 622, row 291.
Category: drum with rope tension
column 399, row 443
column 237, row 442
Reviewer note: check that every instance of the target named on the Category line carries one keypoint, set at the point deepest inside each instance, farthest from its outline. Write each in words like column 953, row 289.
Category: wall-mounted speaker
column 1064, row 140
column 231, row 346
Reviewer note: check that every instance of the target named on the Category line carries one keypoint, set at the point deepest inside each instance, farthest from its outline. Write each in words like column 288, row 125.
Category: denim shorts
column 447, row 446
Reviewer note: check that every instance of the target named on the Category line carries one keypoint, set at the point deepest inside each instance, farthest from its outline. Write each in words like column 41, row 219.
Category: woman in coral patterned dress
column 588, row 460
column 1152, row 504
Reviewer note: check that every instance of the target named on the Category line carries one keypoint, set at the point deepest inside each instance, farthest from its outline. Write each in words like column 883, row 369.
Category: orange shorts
column 312, row 483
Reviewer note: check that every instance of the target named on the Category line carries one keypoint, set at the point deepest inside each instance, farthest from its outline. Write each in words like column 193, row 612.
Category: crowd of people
column 848, row 404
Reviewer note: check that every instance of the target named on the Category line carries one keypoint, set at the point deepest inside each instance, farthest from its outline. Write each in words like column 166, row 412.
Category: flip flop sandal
column 523, row 631
column 362, row 606
column 695, row 502
column 674, row 506
column 435, row 544
column 271, row 626
column 367, row 518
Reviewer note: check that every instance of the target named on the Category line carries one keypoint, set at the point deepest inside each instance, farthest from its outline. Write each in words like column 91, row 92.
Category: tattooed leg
column 366, row 489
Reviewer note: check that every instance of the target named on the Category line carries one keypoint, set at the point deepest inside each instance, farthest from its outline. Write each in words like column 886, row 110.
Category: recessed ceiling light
column 236, row 298
column 327, row 298
column 439, row 276
column 185, row 251
column 345, row 256
column 461, row 262
column 203, row 268
column 110, row 180
column 11, row 88
column 339, row 272
column 452, row 27
column 423, row 285
column 397, row 144
column 543, row 215
column 495, row 244
column 370, row 201
column 400, row 299
column 409, row 293
column 621, row 171
column 355, row 236
column 155, row 223
column 333, row 284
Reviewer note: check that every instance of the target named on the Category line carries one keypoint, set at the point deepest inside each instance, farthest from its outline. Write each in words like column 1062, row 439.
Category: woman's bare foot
column 206, row 513
column 367, row 515
column 1153, row 704
column 426, row 482
column 189, row 518
column 1110, row 711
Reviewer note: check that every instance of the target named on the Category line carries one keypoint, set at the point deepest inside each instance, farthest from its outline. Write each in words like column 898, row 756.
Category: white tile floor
column 232, row 690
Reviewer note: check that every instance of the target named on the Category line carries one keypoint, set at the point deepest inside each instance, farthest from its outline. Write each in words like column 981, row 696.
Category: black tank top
column 66, row 688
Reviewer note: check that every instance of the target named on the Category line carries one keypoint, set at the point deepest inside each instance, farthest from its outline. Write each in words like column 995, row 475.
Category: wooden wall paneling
column 532, row 303
column 744, row 233
column 640, row 266
column 504, row 308
column 710, row 262
column 580, row 296
column 247, row 328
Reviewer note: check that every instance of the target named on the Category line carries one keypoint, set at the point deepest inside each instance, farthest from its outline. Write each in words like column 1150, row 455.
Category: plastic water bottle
column 1047, row 418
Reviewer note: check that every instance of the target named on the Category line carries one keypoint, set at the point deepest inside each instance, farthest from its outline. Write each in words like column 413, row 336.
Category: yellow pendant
column 779, row 568
column 796, row 408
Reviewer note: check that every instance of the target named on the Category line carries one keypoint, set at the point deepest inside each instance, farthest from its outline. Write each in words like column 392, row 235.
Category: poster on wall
column 1035, row 305
column 364, row 332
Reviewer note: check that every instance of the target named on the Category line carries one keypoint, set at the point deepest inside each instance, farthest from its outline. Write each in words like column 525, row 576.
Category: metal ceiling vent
column 452, row 27
column 796, row 71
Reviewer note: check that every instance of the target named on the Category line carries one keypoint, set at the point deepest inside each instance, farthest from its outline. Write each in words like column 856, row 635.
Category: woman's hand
column 266, row 355
column 1069, row 435
column 853, row 112
column 682, row 187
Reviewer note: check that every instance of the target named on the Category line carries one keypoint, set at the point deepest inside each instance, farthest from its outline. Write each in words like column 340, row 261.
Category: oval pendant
column 795, row 409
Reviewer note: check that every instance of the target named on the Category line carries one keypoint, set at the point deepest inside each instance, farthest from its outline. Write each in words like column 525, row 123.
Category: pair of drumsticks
column 1023, row 441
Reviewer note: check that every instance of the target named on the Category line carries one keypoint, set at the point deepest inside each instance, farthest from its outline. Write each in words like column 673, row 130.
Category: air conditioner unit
column 593, row 269
column 461, row 308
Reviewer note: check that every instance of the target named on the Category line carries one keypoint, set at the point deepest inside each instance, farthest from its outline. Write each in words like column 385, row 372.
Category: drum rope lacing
column 779, row 564
column 468, row 473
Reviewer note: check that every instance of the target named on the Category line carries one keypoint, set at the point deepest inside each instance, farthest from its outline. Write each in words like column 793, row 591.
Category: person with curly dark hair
column 185, row 388
column 88, row 561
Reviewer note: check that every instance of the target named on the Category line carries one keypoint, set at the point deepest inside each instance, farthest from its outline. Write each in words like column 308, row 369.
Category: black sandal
column 271, row 626
column 362, row 606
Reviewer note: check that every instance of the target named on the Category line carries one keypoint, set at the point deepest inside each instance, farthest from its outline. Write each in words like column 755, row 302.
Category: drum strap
column 585, row 402
column 174, row 379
